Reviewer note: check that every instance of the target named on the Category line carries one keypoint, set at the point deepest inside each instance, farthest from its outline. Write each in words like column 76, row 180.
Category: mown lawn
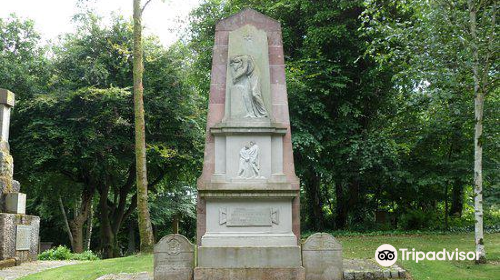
column 94, row 269
column 364, row 247
column 354, row 247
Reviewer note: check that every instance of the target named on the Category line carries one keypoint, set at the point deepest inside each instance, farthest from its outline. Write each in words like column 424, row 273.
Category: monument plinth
column 248, row 205
column 18, row 231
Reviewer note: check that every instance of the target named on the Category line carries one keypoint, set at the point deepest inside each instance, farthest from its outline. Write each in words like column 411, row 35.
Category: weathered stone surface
column 7, row 263
column 6, row 103
column 248, row 16
column 365, row 269
column 248, row 45
column 248, row 204
column 8, row 235
column 249, row 257
column 23, row 238
column 322, row 257
column 173, row 258
column 7, row 97
column 202, row 273
column 15, row 203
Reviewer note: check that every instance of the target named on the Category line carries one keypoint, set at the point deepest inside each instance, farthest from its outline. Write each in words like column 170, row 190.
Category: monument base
column 19, row 237
column 204, row 273
column 243, row 257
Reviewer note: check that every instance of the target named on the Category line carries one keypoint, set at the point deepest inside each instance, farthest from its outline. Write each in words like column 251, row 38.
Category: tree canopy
column 381, row 97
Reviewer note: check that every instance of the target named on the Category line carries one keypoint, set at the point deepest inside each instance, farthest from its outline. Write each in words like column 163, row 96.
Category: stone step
column 202, row 273
column 249, row 257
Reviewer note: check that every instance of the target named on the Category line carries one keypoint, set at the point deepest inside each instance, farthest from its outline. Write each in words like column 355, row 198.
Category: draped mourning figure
column 246, row 81
column 249, row 161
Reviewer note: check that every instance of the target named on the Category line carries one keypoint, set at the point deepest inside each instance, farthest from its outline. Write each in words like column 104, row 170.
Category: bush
column 63, row 253
column 59, row 253
column 419, row 220
column 85, row 256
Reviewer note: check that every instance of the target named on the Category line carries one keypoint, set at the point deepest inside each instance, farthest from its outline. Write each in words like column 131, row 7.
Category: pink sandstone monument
column 248, row 194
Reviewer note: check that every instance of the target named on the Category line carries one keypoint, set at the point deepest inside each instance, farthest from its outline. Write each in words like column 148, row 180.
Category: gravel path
column 24, row 269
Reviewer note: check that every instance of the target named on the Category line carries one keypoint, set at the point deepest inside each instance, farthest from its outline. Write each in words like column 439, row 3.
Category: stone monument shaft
column 248, row 194
column 18, row 232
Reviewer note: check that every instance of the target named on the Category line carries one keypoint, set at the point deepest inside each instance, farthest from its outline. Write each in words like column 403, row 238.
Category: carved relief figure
column 249, row 161
column 246, row 81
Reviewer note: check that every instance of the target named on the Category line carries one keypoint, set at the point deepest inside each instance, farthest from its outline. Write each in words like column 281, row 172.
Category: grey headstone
column 322, row 257
column 174, row 258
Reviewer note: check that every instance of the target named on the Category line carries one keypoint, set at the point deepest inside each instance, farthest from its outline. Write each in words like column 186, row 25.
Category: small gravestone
column 322, row 257
column 174, row 258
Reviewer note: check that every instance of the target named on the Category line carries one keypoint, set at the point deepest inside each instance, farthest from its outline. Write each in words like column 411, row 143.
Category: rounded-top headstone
column 321, row 242
column 173, row 258
column 322, row 257
column 173, row 243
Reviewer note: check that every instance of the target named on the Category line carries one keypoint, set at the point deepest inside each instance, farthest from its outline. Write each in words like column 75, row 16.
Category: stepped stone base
column 244, row 257
column 27, row 249
column 203, row 273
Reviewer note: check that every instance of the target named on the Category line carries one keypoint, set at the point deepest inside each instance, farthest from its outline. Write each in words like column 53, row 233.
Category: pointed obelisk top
column 248, row 16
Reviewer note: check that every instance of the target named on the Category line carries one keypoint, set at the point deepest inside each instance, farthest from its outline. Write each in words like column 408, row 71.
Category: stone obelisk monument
column 248, row 205
column 18, row 231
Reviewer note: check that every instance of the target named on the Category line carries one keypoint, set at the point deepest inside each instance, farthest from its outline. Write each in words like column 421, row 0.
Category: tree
column 339, row 101
column 445, row 46
column 145, row 228
column 79, row 134
column 23, row 65
column 482, row 50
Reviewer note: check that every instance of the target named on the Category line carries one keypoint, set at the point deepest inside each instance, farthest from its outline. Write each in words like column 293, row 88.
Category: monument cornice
column 234, row 127
column 261, row 193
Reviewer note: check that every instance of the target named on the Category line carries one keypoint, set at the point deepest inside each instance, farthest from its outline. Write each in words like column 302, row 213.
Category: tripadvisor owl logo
column 386, row 255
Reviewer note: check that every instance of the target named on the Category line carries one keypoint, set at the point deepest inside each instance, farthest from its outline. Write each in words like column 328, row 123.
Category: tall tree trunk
column 66, row 222
column 353, row 203
column 446, row 213
column 478, row 132
column 145, row 228
column 77, row 231
column 341, row 208
column 314, row 202
column 131, row 239
column 108, row 244
column 88, row 236
column 457, row 201
column 175, row 224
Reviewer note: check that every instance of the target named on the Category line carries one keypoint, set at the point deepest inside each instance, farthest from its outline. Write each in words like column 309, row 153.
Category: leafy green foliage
column 23, row 63
column 77, row 136
column 63, row 253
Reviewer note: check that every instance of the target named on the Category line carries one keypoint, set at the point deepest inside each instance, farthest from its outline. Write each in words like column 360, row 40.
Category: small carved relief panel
column 249, row 163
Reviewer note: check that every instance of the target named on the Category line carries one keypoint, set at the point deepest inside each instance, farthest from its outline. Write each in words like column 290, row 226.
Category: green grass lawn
column 364, row 247
column 354, row 247
column 93, row 269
